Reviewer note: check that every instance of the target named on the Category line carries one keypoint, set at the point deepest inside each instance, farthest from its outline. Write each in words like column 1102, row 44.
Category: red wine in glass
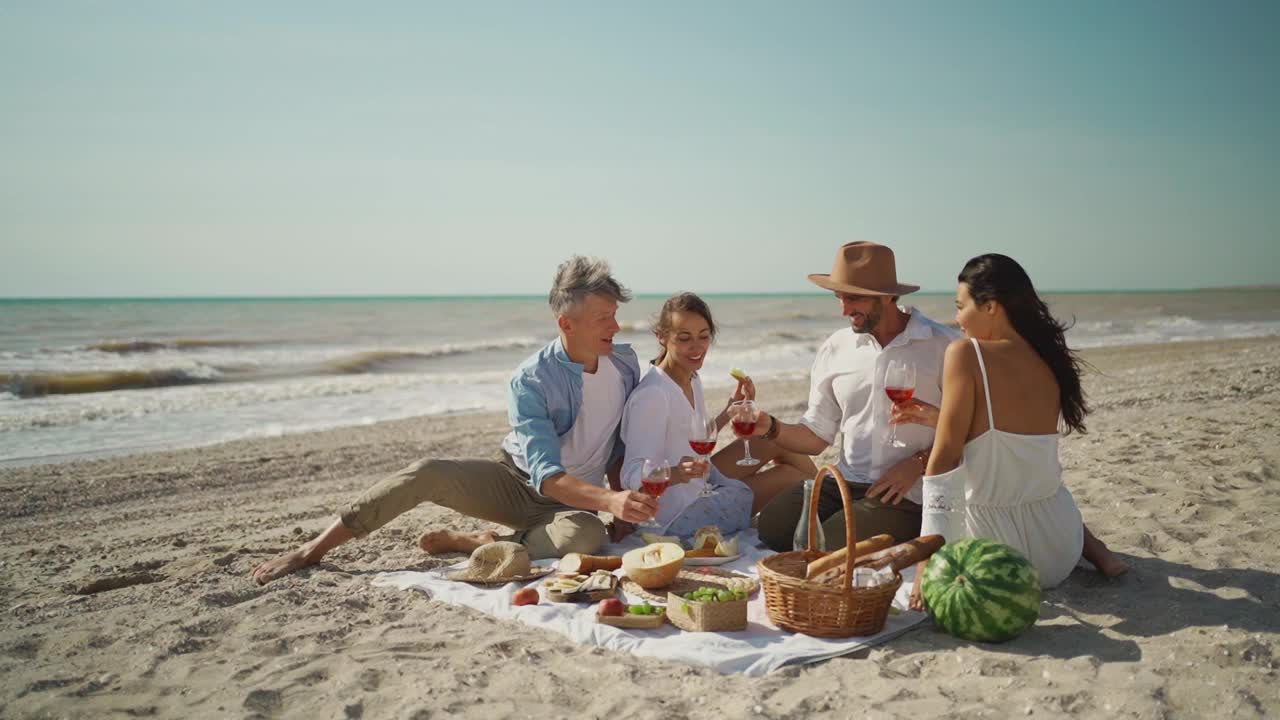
column 655, row 476
column 744, row 417
column 900, row 386
column 654, row 486
column 702, row 447
column 899, row 395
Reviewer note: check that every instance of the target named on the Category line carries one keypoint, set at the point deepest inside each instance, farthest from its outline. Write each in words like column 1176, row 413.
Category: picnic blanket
column 758, row 650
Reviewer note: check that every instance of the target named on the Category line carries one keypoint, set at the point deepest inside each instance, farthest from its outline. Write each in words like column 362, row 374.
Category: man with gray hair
column 548, row 480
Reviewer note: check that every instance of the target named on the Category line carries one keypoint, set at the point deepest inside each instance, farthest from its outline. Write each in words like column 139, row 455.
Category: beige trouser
column 779, row 518
column 493, row 490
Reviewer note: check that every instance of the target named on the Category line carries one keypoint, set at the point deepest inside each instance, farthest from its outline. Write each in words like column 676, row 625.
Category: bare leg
column 308, row 554
column 438, row 542
column 1097, row 552
column 766, row 485
column 766, row 481
column 802, row 463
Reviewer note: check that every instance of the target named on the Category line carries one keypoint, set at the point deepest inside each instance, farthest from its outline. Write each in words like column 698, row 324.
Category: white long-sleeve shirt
column 846, row 395
column 656, row 424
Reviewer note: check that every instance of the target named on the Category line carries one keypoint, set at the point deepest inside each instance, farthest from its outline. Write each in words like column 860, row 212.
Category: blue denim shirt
column 543, row 400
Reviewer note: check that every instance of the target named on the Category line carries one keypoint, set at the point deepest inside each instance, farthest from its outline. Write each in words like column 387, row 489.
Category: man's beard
column 872, row 318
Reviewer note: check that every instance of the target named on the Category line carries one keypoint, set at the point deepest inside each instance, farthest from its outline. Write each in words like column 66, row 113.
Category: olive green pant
column 778, row 519
column 493, row 490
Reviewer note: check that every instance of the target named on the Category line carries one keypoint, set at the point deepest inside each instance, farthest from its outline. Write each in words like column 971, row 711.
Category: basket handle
column 850, row 533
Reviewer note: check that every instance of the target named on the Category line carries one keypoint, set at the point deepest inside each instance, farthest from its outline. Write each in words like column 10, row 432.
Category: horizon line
column 526, row 296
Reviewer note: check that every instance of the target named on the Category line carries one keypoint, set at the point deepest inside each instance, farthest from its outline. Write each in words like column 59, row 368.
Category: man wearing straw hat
column 548, row 481
column 847, row 400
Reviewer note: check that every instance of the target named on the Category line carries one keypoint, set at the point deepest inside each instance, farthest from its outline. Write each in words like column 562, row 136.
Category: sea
column 95, row 377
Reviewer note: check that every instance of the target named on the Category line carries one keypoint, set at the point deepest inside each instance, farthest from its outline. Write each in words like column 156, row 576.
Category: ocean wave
column 312, row 397
column 1176, row 322
column 127, row 347
column 33, row 382
column 383, row 360
column 1093, row 326
column 39, row 384
column 787, row 335
column 771, row 315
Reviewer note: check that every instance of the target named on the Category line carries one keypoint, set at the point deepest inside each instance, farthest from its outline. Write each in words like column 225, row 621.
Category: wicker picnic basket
column 811, row 608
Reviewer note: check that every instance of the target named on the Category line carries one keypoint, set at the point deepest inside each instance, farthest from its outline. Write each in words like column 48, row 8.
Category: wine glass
column 702, row 440
column 744, row 417
column 899, row 385
column 654, row 478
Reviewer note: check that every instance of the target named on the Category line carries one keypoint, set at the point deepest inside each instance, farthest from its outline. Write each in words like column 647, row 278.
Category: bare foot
column 1101, row 557
column 1111, row 565
column 438, row 542
column 280, row 566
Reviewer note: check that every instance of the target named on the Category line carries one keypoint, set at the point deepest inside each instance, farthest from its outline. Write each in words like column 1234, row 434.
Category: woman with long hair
column 662, row 414
column 1006, row 391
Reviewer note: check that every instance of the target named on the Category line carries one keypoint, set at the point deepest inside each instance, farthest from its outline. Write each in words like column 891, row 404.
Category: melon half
column 655, row 565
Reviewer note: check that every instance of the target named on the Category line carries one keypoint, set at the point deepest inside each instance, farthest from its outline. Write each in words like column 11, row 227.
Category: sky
column 323, row 148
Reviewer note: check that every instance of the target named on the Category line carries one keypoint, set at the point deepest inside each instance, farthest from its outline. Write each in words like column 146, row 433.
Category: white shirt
column 585, row 450
column 656, row 425
column 846, row 395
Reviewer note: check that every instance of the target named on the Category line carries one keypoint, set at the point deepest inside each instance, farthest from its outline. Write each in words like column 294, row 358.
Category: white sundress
column 1013, row 493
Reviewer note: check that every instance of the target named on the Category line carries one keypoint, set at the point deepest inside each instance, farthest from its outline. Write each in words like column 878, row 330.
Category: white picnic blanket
column 758, row 650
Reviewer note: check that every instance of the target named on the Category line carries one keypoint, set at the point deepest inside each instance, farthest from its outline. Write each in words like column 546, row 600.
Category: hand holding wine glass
column 744, row 416
column 702, row 440
column 899, row 385
column 654, row 478
column 915, row 412
column 689, row 468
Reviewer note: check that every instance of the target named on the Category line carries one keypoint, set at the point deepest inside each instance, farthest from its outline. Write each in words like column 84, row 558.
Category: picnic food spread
column 708, row 609
column 706, row 593
column 975, row 589
column 574, row 587
column 653, row 566
column 577, row 563
column 707, row 543
column 611, row 606
column 635, row 617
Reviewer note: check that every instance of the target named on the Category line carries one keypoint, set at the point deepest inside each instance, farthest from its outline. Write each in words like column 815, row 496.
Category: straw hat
column 497, row 563
column 863, row 268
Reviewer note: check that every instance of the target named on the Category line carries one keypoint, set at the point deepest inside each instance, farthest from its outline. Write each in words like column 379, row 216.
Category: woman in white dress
column 1005, row 389
column 658, row 422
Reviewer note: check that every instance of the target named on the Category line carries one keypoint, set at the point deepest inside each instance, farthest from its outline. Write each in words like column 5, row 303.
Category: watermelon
column 979, row 589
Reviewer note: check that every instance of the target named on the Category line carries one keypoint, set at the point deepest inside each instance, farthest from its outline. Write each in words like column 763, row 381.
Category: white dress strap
column 986, row 386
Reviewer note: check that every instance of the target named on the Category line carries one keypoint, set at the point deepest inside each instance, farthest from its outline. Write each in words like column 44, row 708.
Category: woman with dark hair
column 659, row 419
column 1005, row 390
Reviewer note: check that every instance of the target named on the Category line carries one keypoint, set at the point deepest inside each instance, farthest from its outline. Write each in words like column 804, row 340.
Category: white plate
column 699, row 561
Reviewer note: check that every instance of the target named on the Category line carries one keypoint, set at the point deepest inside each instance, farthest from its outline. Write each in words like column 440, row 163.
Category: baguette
column 900, row 557
column 836, row 559
column 587, row 564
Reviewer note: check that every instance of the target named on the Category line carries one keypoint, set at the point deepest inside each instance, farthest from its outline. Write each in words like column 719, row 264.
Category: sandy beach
column 1178, row 474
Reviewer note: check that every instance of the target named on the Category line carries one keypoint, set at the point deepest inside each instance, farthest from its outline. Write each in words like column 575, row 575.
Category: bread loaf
column 900, row 557
column 836, row 559
column 587, row 564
